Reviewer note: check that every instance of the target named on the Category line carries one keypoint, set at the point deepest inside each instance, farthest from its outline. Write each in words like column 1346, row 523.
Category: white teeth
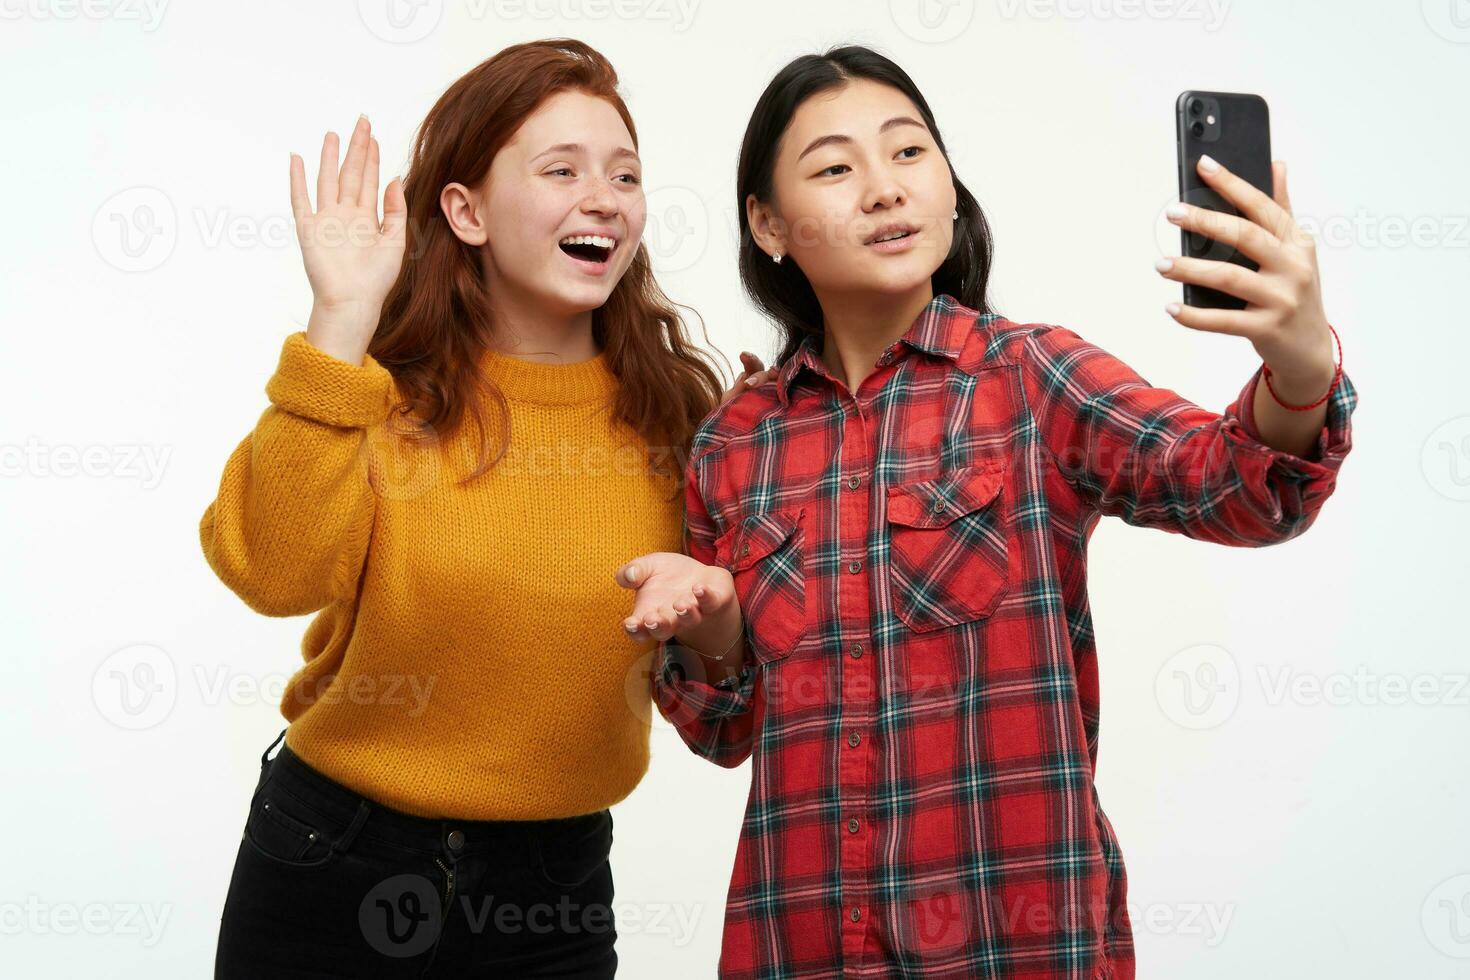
column 890, row 236
column 597, row 240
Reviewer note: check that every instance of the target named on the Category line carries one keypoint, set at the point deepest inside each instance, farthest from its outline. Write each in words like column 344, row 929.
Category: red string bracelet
column 1336, row 376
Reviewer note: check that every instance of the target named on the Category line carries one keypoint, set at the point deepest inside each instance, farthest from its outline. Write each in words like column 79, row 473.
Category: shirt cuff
column 1333, row 441
column 684, row 690
column 312, row 383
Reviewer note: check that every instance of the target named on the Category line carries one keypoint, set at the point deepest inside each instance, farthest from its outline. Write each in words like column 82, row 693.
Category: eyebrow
column 821, row 141
column 621, row 151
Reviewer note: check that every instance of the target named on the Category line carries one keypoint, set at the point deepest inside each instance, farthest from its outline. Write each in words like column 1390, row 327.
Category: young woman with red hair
column 461, row 447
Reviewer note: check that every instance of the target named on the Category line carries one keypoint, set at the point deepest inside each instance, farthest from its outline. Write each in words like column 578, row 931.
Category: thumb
column 1278, row 185
column 395, row 209
column 633, row 574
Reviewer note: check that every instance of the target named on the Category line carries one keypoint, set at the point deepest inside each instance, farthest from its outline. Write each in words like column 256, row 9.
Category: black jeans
column 330, row 884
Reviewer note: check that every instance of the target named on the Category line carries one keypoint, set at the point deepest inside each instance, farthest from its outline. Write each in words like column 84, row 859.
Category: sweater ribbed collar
column 546, row 383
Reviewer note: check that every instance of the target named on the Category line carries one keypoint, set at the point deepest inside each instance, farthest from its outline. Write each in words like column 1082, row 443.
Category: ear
column 461, row 207
column 766, row 227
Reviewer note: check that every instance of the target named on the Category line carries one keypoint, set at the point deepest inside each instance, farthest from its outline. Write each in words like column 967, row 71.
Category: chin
column 898, row 281
column 569, row 298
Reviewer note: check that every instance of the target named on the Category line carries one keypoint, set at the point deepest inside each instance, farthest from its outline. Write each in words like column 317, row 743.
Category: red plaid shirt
column 920, row 697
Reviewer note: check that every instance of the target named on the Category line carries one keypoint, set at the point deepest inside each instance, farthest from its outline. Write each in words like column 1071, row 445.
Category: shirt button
column 855, row 914
column 855, row 566
column 855, row 651
column 455, row 840
column 854, row 481
column 852, row 826
column 938, row 506
column 746, row 549
column 853, row 738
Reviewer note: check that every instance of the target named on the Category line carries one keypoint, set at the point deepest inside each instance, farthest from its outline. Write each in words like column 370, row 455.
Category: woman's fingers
column 756, row 380
column 349, row 183
column 300, row 203
column 1237, row 323
column 754, row 375
column 368, row 198
column 1228, row 229
column 1227, row 277
column 662, row 623
column 1278, row 186
column 1249, row 199
column 326, row 177
column 687, row 612
column 1283, row 252
column 631, row 574
column 395, row 210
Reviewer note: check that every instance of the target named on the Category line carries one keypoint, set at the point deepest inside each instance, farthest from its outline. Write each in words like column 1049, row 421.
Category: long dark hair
column 782, row 291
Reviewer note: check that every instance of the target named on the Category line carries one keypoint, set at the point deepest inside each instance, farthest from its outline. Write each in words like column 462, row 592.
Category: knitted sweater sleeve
column 288, row 531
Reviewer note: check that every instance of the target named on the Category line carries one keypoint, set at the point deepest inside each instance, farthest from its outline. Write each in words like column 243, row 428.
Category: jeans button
column 455, row 840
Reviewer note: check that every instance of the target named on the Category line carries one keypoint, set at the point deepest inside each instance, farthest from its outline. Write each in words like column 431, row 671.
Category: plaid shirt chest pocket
column 948, row 547
column 764, row 554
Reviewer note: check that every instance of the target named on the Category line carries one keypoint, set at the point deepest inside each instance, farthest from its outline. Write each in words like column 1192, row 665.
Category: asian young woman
column 884, row 599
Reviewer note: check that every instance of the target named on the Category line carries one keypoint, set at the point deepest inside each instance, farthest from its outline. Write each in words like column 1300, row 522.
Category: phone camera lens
column 1197, row 128
column 1196, row 107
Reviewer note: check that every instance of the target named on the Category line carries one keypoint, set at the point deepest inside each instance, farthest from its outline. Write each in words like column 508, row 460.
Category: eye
column 629, row 178
column 917, row 150
column 827, row 171
column 561, row 170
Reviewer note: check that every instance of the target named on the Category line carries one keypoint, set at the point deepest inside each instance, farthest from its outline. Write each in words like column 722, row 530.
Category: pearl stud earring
column 776, row 258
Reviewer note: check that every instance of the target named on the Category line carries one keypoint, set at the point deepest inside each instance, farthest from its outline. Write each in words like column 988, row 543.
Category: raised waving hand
column 352, row 257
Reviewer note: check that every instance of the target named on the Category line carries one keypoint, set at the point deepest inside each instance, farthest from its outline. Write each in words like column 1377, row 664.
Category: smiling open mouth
column 591, row 248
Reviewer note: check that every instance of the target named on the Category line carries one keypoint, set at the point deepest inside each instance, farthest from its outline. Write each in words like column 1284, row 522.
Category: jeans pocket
column 282, row 829
column 567, row 861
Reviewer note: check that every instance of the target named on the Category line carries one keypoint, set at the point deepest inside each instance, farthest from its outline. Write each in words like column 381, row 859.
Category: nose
column 883, row 192
column 600, row 200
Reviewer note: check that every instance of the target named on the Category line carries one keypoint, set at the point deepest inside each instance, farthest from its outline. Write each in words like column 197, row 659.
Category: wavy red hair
column 436, row 320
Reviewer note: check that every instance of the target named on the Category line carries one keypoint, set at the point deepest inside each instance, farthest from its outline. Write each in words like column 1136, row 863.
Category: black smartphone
column 1235, row 129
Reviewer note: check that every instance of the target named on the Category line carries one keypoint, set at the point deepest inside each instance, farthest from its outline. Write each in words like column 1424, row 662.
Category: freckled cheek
column 635, row 219
column 526, row 222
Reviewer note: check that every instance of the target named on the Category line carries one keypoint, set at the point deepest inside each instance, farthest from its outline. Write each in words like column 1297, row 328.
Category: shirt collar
column 940, row 329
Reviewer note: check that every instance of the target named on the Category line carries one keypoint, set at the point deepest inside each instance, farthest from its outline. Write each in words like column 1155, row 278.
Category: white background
column 1283, row 730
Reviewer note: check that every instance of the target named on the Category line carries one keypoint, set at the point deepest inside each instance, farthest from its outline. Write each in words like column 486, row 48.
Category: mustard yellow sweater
column 467, row 659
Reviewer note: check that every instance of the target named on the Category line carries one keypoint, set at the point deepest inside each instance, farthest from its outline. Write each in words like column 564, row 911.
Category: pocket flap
column 938, row 501
column 755, row 537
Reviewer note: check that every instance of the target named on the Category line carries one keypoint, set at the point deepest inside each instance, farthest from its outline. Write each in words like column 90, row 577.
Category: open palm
column 352, row 258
